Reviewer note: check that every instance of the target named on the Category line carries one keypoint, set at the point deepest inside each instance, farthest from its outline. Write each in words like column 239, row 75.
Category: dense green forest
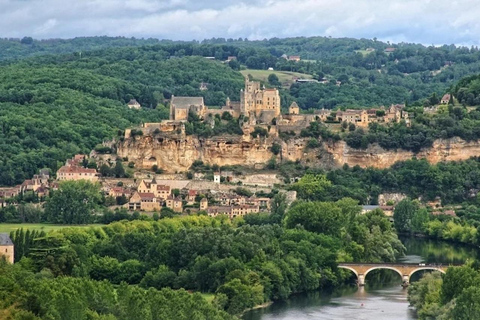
column 244, row 262
column 453, row 182
column 50, row 111
column 11, row 49
column 410, row 73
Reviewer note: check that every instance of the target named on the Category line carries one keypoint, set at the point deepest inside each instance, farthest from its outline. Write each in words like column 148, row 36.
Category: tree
column 273, row 79
column 312, row 187
column 419, row 220
column 403, row 215
column 105, row 170
column 467, row 305
column 321, row 217
column 275, row 148
column 118, row 170
column 26, row 40
column 73, row 203
column 457, row 279
column 278, row 207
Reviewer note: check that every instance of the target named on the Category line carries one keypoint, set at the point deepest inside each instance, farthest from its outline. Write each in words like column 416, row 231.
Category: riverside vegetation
column 141, row 269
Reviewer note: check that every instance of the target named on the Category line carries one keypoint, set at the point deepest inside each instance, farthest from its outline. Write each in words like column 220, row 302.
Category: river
column 381, row 298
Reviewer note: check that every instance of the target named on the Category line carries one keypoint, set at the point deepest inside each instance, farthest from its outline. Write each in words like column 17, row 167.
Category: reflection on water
column 382, row 298
column 432, row 251
column 387, row 302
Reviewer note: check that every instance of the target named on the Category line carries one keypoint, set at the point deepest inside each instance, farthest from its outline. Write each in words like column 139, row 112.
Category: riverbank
column 382, row 298
column 258, row 306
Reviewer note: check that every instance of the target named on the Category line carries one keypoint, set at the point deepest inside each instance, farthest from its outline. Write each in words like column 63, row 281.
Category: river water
column 381, row 298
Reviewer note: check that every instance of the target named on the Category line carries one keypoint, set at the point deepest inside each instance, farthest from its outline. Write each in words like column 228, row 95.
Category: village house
column 217, row 210
column 118, row 192
column 240, row 211
column 133, row 104
column 192, row 194
column 445, row 99
column 204, row 204
column 7, row 249
column 77, row 173
column 159, row 190
column 143, row 202
column 174, row 203
column 294, row 58
column 363, row 117
column 74, row 170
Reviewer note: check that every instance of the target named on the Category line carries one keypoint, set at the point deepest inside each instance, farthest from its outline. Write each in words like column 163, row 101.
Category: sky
column 421, row 21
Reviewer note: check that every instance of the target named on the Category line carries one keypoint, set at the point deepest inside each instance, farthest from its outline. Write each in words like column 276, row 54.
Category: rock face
column 176, row 153
column 454, row 149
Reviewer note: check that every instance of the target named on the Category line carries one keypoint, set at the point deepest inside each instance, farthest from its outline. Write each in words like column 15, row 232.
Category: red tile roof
column 68, row 169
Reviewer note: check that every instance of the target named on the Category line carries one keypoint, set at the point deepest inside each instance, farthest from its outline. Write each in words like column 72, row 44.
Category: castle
column 262, row 107
column 255, row 102
column 261, row 103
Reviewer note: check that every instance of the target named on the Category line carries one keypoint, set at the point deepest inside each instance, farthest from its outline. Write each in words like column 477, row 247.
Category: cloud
column 424, row 21
column 46, row 27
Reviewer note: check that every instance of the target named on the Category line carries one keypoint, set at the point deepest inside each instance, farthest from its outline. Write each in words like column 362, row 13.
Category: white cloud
column 439, row 21
column 46, row 27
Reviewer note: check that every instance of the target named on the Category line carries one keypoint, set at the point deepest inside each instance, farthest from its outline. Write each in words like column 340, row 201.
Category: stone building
column 159, row 190
column 133, row 104
column 204, row 204
column 181, row 106
column 445, row 99
column 6, row 247
column 77, row 173
column 262, row 103
column 143, row 202
column 175, row 204
column 294, row 109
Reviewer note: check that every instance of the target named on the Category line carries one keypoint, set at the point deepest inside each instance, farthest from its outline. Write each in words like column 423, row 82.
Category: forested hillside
column 27, row 47
column 50, row 110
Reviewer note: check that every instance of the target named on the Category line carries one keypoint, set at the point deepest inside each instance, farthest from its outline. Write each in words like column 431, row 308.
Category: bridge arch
column 351, row 269
column 382, row 268
column 425, row 268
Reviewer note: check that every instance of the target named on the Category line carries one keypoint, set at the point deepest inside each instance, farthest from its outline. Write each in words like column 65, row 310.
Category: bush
column 276, row 148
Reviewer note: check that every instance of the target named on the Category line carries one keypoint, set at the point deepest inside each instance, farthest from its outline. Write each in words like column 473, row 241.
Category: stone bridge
column 405, row 270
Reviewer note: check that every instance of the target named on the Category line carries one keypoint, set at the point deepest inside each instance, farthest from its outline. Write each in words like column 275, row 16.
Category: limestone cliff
column 454, row 149
column 176, row 153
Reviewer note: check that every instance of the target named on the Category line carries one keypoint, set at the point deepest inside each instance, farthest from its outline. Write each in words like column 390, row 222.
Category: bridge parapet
column 405, row 270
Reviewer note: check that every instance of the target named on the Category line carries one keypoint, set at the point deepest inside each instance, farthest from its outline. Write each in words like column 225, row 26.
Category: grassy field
column 8, row 227
column 285, row 77
column 208, row 296
column 363, row 52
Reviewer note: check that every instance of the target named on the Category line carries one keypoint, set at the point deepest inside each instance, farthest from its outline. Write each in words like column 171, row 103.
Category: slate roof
column 185, row 102
column 5, row 240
